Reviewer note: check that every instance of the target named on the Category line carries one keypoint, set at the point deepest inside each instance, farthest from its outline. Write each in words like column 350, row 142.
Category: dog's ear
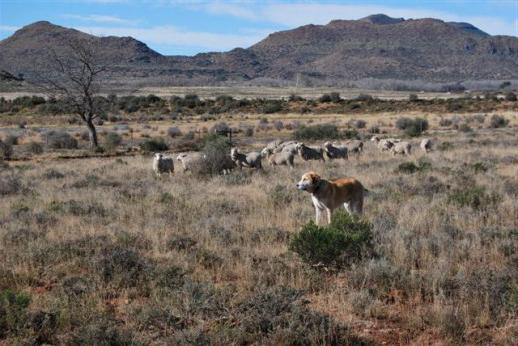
column 315, row 178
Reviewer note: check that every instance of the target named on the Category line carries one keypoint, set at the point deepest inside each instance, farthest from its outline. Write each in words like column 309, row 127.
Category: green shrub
column 60, row 140
column 498, row 121
column 271, row 106
column 153, row 145
column 475, row 197
column 345, row 240
column 331, row 97
column 216, row 152
column 36, row 148
column 6, row 151
column 13, row 312
column 411, row 167
column 412, row 127
column 324, row 131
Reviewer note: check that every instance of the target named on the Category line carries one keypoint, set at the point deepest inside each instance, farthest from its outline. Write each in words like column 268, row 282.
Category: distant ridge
column 377, row 46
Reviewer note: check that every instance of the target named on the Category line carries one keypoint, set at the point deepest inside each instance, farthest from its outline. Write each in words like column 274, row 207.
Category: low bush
column 6, row 151
column 498, row 121
column 445, row 122
column 271, row 106
column 11, row 140
column 36, row 148
column 474, row 197
column 153, row 145
column 412, row 127
column 314, row 132
column 216, row 151
column 345, row 240
column 331, row 97
column 358, row 123
column 112, row 140
column 60, row 140
column 174, row 132
column 13, row 312
column 411, row 167
column 10, row 184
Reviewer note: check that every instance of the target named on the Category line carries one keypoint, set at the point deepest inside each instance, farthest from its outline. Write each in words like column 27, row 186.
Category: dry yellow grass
column 107, row 250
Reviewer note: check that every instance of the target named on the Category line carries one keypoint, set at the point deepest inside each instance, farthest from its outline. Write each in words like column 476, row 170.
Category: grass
column 100, row 249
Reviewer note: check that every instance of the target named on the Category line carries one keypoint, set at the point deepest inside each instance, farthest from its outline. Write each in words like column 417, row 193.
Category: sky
column 190, row 27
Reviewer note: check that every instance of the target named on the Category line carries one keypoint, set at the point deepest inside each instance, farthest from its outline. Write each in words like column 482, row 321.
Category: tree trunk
column 93, row 134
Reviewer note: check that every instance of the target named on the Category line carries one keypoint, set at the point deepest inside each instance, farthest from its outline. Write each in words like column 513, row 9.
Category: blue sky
column 189, row 27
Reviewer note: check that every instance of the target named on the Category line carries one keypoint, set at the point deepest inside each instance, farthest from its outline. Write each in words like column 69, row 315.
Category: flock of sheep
column 280, row 152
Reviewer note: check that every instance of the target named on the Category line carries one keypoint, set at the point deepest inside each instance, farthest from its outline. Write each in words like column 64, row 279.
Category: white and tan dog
column 328, row 195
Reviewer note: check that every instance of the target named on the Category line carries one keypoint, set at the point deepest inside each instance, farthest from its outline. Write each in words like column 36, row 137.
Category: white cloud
column 170, row 35
column 293, row 15
column 100, row 19
column 8, row 28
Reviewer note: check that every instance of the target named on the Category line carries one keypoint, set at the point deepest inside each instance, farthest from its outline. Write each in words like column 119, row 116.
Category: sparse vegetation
column 99, row 250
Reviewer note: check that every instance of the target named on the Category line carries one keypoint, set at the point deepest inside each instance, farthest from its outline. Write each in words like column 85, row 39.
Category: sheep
column 335, row 152
column 250, row 160
column 355, row 147
column 384, row 144
column 290, row 147
column 286, row 146
column 309, row 153
column 163, row 164
column 272, row 145
column 403, row 148
column 189, row 160
column 285, row 158
column 426, row 145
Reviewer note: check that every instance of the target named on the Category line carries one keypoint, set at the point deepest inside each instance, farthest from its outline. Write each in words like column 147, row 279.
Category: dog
column 327, row 195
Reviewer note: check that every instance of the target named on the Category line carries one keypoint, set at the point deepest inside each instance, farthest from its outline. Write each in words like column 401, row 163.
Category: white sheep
column 285, row 158
column 426, row 144
column 189, row 160
column 403, row 148
column 163, row 164
column 384, row 144
column 250, row 160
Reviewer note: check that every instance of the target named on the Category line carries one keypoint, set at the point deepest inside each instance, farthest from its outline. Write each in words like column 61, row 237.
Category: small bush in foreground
column 344, row 241
column 6, row 151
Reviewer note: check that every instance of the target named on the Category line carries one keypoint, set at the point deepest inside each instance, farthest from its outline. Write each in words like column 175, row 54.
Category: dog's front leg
column 319, row 215
column 329, row 212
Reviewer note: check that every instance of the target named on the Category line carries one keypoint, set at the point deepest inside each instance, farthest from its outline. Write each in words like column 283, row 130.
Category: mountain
column 376, row 46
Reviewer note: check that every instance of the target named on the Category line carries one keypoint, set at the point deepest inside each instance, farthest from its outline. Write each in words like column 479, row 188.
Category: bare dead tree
column 74, row 76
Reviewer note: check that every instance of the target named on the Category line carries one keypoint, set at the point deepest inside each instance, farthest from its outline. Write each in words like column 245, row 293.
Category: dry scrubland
column 100, row 251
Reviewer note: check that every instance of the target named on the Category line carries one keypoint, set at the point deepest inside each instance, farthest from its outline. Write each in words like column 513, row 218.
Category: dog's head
column 233, row 152
column 308, row 182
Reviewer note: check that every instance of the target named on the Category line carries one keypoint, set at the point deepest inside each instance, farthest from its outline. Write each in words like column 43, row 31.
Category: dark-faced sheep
column 335, row 152
column 310, row 153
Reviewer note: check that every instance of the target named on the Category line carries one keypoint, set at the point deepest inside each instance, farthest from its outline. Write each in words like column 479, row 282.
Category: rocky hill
column 377, row 47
